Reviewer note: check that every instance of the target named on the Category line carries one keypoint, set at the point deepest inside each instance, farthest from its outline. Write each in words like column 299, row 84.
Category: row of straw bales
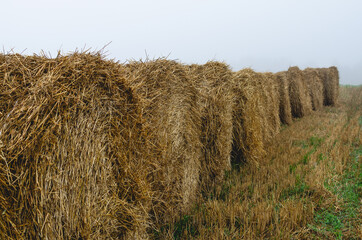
column 94, row 149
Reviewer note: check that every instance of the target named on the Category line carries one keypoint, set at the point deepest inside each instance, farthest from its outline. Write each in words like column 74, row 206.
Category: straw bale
column 285, row 112
column 315, row 87
column 75, row 155
column 248, row 117
column 6, row 213
column 272, row 104
column 168, row 101
column 215, row 99
column 300, row 100
column 330, row 79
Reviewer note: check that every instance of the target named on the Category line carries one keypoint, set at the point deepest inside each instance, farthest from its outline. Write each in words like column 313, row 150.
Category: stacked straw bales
column 247, row 117
column 73, row 150
column 300, row 101
column 315, row 87
column 285, row 112
column 168, row 102
column 330, row 79
column 215, row 99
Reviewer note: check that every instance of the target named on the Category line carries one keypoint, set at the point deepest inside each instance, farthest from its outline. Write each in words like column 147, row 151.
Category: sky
column 266, row 35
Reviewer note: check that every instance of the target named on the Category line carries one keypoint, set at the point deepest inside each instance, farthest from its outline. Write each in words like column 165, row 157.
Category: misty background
column 266, row 35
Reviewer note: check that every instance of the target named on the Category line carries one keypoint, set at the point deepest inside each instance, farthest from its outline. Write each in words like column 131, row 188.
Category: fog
column 262, row 34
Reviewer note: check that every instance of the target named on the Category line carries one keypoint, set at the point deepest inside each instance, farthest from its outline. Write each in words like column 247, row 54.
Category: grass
column 348, row 188
column 307, row 187
column 299, row 190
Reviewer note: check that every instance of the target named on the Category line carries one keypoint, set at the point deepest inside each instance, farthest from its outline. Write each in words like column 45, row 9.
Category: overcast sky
column 266, row 35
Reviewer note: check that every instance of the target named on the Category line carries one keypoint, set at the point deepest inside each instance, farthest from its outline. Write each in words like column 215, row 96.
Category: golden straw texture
column 215, row 99
column 300, row 100
column 74, row 155
column 168, row 103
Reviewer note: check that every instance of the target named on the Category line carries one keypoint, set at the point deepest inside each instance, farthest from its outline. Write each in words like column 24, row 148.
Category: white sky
column 266, row 35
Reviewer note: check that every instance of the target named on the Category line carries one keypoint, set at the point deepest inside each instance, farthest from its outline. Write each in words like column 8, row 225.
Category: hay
column 315, row 87
column 285, row 112
column 168, row 102
column 74, row 156
column 247, row 143
column 215, row 99
column 330, row 79
column 300, row 101
column 6, row 211
column 91, row 148
column 272, row 103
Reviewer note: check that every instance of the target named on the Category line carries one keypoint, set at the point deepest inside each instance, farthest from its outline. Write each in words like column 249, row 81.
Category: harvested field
column 300, row 101
column 215, row 99
column 285, row 112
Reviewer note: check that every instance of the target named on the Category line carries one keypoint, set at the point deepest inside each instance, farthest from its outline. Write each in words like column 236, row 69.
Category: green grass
column 350, row 86
column 348, row 189
column 184, row 225
column 313, row 143
column 299, row 190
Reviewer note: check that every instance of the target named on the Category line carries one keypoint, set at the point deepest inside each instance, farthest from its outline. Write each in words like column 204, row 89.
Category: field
column 309, row 185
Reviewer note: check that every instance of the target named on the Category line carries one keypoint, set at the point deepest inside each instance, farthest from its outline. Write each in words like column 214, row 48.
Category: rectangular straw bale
column 169, row 107
column 315, row 87
column 330, row 79
column 248, row 117
column 285, row 112
column 300, row 100
column 75, row 154
column 215, row 99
